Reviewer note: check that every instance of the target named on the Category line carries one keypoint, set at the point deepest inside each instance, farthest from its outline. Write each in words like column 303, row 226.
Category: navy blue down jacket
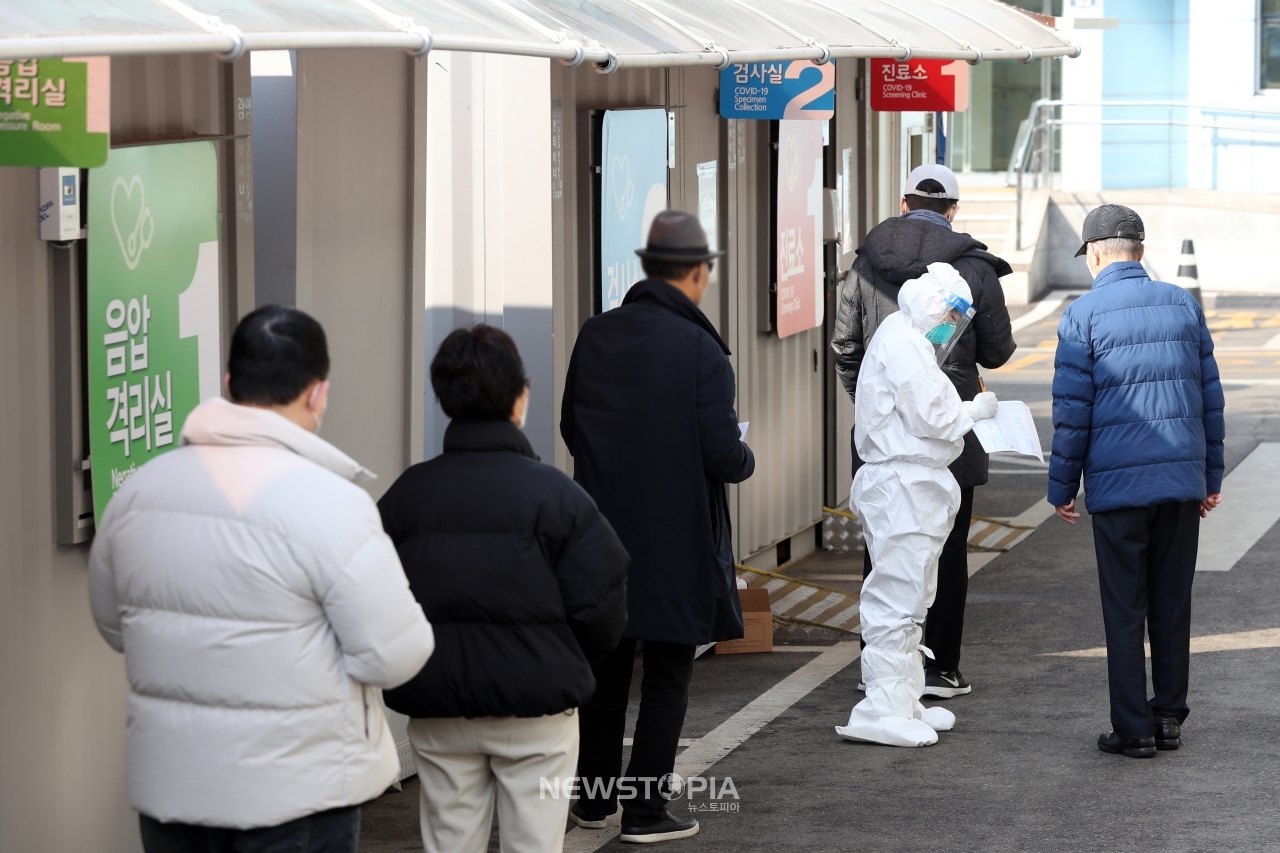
column 1137, row 404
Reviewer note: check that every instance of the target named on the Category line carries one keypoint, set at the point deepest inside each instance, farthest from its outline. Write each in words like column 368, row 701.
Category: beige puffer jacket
column 260, row 607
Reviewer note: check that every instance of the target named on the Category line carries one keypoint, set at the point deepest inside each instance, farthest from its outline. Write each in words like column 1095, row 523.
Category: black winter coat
column 896, row 251
column 521, row 577
column 648, row 416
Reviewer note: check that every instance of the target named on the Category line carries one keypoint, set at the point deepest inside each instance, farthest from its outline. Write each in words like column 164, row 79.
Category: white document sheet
column 742, row 430
column 1012, row 429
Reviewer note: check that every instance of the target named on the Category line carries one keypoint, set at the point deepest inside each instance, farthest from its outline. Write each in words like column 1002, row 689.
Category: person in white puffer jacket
column 260, row 606
column 910, row 425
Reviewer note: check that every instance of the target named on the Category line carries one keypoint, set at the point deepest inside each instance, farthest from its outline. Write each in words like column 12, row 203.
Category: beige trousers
column 462, row 762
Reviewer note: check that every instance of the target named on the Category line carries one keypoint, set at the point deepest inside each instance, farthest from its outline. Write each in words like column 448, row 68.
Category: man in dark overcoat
column 648, row 416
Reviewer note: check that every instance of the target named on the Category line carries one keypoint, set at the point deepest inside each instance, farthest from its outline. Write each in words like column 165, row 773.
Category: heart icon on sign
column 144, row 225
column 620, row 179
column 791, row 160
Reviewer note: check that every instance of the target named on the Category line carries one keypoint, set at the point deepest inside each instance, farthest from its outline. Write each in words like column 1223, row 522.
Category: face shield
column 948, row 330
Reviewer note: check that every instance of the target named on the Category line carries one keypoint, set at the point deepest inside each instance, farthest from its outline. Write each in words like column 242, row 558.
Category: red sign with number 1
column 925, row 85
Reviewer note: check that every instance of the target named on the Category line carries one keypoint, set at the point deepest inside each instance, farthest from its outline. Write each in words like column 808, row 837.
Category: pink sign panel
column 799, row 217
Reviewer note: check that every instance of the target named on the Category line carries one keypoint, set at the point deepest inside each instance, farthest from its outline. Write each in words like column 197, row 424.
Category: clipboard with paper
column 1012, row 430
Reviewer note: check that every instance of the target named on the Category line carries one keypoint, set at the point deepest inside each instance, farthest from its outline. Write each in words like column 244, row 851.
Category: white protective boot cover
column 890, row 731
column 888, row 715
column 938, row 719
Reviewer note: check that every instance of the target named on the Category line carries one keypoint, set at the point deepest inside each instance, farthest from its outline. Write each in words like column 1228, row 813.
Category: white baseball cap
column 933, row 172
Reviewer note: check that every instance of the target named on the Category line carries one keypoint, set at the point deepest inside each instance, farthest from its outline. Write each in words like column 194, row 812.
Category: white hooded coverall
column 910, row 425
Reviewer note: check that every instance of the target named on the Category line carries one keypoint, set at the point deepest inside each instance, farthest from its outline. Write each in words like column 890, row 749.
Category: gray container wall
column 488, row 227
column 63, row 701
column 849, row 131
column 275, row 152
column 779, row 391
column 360, row 246
column 573, row 92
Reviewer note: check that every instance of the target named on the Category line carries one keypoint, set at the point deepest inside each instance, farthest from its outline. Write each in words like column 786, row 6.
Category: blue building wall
column 1145, row 59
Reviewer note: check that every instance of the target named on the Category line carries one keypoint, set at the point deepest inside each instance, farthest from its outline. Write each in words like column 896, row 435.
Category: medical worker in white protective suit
column 909, row 426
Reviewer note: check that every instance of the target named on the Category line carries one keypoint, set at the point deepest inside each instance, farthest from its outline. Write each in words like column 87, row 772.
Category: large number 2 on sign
column 798, row 107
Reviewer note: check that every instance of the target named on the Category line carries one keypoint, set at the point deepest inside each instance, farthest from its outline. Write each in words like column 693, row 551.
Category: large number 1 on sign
column 798, row 107
column 198, row 318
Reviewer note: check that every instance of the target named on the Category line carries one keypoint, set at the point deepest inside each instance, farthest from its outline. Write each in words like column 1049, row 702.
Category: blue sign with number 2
column 800, row 89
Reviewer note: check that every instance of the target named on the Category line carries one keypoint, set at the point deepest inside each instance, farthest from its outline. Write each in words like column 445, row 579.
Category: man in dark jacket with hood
column 896, row 251
column 648, row 416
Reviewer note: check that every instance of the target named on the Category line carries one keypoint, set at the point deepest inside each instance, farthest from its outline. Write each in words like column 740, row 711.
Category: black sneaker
column 587, row 821
column 667, row 829
column 945, row 685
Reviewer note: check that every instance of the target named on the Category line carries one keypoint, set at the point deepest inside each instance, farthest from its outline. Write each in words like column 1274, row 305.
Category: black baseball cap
column 1111, row 220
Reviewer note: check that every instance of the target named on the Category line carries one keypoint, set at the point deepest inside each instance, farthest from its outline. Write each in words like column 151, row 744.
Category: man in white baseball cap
column 919, row 183
column 898, row 250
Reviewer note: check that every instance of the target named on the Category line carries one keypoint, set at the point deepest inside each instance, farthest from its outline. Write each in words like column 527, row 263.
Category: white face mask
column 524, row 416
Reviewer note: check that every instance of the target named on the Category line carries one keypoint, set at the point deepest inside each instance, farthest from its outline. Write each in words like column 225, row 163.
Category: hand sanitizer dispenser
column 59, row 203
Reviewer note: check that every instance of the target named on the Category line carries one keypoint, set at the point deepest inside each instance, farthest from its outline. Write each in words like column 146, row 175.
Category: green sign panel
column 153, row 303
column 55, row 112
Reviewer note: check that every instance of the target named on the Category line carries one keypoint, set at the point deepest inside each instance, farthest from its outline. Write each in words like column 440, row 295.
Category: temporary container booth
column 351, row 236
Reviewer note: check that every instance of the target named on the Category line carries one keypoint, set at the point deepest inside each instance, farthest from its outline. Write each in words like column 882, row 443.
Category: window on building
column 1269, row 55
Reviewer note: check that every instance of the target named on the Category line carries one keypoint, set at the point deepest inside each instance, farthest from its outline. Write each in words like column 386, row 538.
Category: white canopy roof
column 611, row 33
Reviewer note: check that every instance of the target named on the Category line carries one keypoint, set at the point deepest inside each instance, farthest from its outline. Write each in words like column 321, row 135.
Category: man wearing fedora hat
column 648, row 416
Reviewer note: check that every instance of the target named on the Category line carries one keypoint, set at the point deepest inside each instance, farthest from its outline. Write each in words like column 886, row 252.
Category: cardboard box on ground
column 757, row 623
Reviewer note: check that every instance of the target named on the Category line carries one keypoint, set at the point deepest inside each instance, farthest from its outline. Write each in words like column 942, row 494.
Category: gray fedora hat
column 677, row 237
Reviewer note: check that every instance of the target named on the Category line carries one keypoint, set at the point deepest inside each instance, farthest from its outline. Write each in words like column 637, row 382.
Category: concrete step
column 968, row 208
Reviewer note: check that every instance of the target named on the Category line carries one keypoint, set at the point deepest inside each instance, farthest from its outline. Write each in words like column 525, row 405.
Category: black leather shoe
column 1134, row 747
column 1168, row 733
column 667, row 829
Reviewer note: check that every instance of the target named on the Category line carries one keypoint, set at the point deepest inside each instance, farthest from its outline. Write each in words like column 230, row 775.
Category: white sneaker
column 890, row 731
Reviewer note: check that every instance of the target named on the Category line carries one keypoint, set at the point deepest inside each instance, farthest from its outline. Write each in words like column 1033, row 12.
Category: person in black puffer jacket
column 896, row 251
column 525, row 584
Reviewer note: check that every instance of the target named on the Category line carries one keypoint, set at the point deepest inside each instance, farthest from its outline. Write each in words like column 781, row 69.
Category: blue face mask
column 941, row 333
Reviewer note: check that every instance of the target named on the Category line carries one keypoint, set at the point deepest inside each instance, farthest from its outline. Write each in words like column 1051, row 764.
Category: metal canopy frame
column 610, row 34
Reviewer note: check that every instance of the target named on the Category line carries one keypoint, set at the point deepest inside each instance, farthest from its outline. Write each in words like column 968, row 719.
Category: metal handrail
column 1034, row 150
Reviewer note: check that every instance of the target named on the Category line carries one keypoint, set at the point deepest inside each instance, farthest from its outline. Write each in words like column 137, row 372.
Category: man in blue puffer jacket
column 1138, row 407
